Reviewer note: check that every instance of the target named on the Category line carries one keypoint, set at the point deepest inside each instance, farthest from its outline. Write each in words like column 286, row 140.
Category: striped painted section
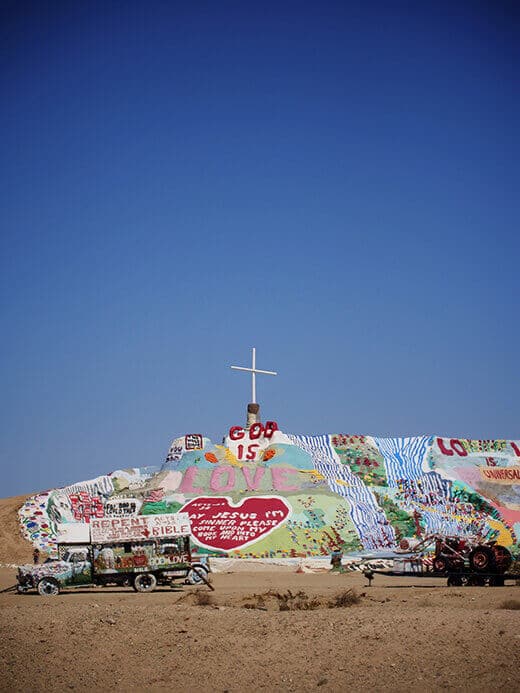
column 403, row 456
column 367, row 516
column 404, row 459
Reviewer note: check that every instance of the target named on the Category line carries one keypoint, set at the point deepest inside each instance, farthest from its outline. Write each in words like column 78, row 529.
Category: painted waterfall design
column 368, row 517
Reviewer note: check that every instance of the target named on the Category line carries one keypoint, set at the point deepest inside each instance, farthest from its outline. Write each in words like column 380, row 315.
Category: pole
column 253, row 379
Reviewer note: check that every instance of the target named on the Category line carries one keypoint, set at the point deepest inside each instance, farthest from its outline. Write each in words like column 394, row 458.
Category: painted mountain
column 268, row 494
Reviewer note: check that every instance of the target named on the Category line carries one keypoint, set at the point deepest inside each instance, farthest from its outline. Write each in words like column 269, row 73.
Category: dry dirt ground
column 250, row 634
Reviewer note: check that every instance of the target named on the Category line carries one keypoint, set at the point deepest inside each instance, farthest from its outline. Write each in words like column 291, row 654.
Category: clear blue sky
column 336, row 184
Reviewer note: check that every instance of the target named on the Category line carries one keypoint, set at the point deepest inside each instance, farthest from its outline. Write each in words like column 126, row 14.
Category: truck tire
column 145, row 582
column 193, row 578
column 48, row 587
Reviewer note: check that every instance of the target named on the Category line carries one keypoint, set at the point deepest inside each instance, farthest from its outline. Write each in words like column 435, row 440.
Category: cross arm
column 254, row 370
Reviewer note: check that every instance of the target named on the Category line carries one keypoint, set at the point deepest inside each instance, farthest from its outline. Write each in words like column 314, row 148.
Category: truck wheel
column 193, row 578
column 145, row 582
column 48, row 587
column 482, row 559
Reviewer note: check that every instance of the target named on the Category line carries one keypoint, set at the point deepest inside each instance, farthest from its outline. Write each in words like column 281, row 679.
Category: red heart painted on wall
column 217, row 523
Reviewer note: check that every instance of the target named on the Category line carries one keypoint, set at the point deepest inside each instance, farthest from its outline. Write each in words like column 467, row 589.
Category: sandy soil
column 395, row 637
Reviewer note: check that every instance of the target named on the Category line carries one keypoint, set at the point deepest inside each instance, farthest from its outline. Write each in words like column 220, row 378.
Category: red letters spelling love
column 217, row 523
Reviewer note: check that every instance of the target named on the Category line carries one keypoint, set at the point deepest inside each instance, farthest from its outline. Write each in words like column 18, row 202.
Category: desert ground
column 259, row 630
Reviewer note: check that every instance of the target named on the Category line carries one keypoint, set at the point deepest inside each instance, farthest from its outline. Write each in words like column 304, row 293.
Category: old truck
column 141, row 552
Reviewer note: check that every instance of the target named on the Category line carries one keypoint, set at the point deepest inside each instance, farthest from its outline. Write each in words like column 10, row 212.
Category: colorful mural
column 263, row 493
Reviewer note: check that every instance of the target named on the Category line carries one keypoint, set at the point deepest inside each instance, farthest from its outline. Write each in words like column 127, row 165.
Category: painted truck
column 141, row 552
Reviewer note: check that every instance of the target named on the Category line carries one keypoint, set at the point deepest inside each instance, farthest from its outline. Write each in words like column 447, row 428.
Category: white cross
column 253, row 370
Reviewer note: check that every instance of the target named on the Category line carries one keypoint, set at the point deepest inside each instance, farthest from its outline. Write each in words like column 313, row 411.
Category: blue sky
column 335, row 184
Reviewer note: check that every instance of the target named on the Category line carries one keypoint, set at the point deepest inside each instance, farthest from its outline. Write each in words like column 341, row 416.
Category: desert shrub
column 257, row 601
column 284, row 601
column 300, row 601
column 287, row 601
column 202, row 597
column 343, row 599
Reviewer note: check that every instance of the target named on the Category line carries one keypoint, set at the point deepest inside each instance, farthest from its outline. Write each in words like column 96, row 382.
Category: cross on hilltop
column 253, row 408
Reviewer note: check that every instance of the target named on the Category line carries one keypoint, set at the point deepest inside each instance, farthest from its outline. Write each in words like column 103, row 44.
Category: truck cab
column 73, row 567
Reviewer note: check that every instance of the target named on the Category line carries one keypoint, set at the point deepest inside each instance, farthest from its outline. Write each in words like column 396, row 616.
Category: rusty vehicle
column 453, row 554
column 463, row 560
column 141, row 552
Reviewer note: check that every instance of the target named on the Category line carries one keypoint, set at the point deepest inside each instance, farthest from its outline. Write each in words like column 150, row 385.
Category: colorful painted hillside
column 268, row 494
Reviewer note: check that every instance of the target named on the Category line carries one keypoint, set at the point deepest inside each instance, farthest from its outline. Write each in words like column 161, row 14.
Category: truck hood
column 41, row 570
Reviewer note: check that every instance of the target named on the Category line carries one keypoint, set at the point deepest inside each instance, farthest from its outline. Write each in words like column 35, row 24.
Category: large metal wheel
column 482, row 559
column 455, row 581
column 440, row 564
column 496, row 581
column 476, row 581
column 503, row 558
column 145, row 582
column 48, row 587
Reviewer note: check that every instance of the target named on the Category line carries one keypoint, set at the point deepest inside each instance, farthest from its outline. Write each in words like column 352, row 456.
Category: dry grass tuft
column 257, row 602
column 300, row 601
column 283, row 601
column 202, row 597
column 343, row 599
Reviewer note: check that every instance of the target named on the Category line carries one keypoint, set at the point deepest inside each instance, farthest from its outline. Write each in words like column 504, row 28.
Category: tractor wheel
column 476, row 581
column 502, row 558
column 145, row 582
column 440, row 564
column 496, row 581
column 456, row 564
column 454, row 581
column 48, row 587
column 482, row 559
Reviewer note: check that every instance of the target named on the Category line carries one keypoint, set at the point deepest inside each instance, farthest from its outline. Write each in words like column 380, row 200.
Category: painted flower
column 268, row 454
